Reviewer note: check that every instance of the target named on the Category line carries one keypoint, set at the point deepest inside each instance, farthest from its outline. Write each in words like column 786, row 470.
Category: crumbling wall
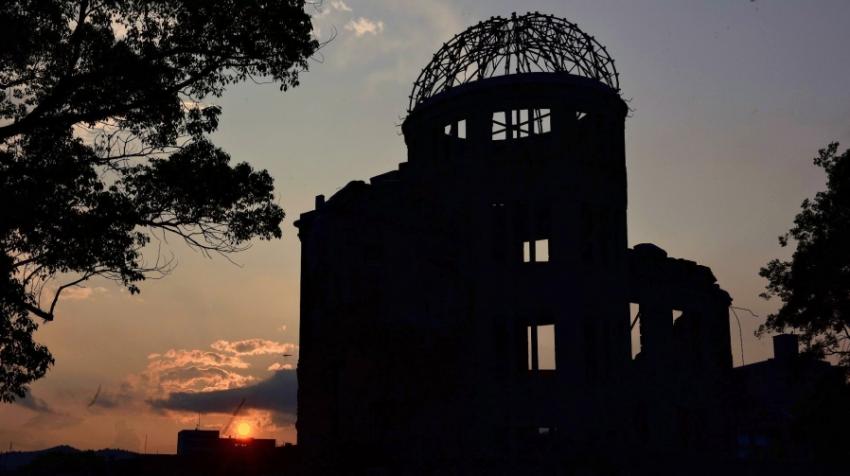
column 681, row 374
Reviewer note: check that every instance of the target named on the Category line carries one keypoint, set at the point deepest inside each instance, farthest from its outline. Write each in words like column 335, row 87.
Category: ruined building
column 475, row 303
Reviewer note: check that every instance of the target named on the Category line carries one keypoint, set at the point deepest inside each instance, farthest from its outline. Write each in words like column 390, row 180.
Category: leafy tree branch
column 103, row 145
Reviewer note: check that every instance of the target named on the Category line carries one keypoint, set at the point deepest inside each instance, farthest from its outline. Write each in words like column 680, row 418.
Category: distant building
column 197, row 442
column 772, row 398
column 433, row 296
column 208, row 442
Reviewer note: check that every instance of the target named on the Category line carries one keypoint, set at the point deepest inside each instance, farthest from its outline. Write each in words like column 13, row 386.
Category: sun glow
column 244, row 430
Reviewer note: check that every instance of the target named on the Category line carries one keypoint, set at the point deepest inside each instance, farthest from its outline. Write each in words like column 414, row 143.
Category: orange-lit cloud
column 226, row 365
column 199, row 381
column 178, row 358
column 253, row 347
column 365, row 26
column 278, row 366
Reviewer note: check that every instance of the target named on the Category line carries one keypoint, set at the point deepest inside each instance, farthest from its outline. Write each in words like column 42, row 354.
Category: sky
column 730, row 99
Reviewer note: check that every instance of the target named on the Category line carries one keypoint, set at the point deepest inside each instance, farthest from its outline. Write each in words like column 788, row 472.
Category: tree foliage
column 104, row 148
column 814, row 285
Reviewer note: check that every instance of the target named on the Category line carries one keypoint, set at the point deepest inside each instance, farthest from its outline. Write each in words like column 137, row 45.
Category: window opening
column 500, row 129
column 541, row 251
column 634, row 316
column 541, row 347
column 535, row 251
column 456, row 129
column 520, row 123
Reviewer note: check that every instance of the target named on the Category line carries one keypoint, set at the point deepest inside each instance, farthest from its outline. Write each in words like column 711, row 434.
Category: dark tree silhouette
column 103, row 145
column 814, row 285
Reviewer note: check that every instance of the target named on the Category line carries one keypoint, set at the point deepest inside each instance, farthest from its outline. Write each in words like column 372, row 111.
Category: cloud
column 277, row 394
column 177, row 358
column 202, row 379
column 253, row 347
column 192, row 370
column 226, row 365
column 34, row 403
column 362, row 26
column 339, row 5
column 89, row 133
column 52, row 421
column 406, row 43
column 109, row 399
column 46, row 418
column 334, row 6
column 278, row 366
column 79, row 293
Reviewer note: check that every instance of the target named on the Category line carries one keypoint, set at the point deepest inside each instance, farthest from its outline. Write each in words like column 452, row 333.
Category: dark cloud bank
column 278, row 394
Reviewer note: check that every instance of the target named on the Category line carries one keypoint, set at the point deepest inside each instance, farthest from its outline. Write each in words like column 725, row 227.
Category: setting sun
column 244, row 429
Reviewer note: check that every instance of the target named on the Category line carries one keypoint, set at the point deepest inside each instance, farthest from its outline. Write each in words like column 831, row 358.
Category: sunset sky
column 731, row 99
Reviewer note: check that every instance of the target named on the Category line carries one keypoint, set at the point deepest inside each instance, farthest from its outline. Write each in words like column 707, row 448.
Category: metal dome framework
column 530, row 43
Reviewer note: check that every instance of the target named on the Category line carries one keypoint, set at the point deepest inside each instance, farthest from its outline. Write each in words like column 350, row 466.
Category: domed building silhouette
column 474, row 305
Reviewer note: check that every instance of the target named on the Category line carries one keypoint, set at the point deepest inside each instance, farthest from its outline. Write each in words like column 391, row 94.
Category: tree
column 814, row 285
column 104, row 149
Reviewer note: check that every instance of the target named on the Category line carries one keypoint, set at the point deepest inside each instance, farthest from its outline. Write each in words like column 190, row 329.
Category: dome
column 530, row 43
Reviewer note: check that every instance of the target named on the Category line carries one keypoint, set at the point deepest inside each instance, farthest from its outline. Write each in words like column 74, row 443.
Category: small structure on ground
column 208, row 442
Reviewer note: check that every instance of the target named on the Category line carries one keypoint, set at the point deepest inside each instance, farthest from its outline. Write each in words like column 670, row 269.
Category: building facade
column 475, row 303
